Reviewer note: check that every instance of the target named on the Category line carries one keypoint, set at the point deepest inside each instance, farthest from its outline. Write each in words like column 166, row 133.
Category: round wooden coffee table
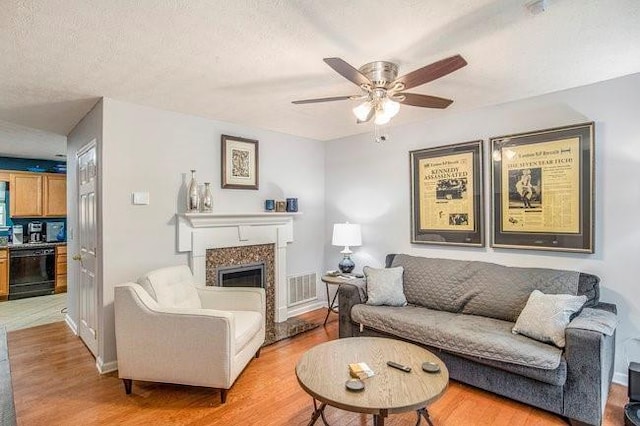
column 323, row 370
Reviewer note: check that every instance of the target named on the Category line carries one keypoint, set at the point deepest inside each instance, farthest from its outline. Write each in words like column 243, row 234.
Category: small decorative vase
column 207, row 198
column 193, row 195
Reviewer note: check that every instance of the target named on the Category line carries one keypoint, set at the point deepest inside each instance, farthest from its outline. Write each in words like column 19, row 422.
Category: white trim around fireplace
column 198, row 232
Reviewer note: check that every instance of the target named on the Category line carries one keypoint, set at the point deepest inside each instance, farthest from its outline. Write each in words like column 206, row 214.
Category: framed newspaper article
column 542, row 186
column 446, row 195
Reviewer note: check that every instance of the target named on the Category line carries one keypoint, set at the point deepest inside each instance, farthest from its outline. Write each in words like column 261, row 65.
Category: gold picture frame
column 240, row 164
column 447, row 195
column 542, row 184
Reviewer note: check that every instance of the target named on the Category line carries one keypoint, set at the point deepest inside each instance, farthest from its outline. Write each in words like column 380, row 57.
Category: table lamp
column 346, row 234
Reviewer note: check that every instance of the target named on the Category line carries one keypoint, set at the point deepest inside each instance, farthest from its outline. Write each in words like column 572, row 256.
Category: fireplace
column 248, row 275
column 241, row 265
column 232, row 239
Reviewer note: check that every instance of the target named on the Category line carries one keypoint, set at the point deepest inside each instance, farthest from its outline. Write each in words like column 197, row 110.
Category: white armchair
column 168, row 330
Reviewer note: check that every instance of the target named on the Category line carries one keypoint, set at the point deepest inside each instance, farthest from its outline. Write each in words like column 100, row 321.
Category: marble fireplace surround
column 199, row 232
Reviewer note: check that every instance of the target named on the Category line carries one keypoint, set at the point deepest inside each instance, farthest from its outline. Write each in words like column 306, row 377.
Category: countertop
column 34, row 245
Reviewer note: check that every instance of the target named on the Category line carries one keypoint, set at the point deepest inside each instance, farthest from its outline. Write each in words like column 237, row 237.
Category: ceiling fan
column 382, row 90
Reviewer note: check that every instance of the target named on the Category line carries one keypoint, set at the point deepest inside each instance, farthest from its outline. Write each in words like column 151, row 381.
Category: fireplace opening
column 248, row 275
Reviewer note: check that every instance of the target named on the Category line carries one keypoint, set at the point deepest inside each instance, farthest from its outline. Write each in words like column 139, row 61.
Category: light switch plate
column 140, row 198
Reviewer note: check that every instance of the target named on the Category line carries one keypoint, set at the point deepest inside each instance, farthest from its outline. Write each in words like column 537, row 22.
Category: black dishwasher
column 31, row 272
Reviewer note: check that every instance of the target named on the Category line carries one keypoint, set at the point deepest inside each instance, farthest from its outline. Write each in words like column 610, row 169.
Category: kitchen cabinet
column 4, row 274
column 55, row 195
column 37, row 194
column 61, row 269
column 25, row 191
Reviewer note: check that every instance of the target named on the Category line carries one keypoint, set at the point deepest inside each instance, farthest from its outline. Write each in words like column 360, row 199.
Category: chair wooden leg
column 258, row 353
column 223, row 395
column 127, row 385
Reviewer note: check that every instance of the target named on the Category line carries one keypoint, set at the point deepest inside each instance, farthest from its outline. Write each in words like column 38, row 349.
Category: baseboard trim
column 621, row 379
column 106, row 367
column 307, row 308
column 71, row 324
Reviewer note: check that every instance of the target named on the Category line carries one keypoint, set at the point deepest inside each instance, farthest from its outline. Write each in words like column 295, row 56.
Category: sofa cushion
column 545, row 316
column 172, row 287
column 459, row 333
column 384, row 286
column 478, row 288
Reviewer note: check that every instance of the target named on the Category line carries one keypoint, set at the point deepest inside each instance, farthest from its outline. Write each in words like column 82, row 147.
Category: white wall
column 151, row 150
column 368, row 183
column 88, row 129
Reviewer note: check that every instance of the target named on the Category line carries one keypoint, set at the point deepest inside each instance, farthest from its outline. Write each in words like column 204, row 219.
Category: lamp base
column 346, row 265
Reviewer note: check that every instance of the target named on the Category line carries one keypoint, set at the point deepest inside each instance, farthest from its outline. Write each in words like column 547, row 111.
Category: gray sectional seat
column 464, row 312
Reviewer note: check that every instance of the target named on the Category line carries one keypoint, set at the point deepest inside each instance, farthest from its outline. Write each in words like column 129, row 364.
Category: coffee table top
column 323, row 370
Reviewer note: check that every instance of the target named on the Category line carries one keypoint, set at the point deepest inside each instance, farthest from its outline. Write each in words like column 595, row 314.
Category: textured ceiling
column 244, row 61
column 24, row 142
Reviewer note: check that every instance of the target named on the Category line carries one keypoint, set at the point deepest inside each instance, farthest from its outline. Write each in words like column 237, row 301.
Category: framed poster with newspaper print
column 542, row 186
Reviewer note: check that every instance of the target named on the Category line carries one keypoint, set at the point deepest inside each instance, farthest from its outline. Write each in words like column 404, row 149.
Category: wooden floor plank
column 56, row 383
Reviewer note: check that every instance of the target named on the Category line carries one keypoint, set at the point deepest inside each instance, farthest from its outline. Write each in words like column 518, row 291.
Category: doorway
column 87, row 236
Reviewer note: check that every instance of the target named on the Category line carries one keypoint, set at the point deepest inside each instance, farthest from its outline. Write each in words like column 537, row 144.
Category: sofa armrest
column 348, row 296
column 232, row 298
column 590, row 357
column 609, row 307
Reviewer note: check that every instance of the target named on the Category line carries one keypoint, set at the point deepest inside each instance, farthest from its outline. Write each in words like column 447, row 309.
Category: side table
column 336, row 280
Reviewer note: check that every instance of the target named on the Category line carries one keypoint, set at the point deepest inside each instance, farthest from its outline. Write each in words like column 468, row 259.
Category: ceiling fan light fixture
column 390, row 107
column 362, row 111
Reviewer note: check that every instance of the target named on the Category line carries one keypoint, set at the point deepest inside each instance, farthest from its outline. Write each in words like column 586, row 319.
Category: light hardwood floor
column 55, row 383
column 32, row 311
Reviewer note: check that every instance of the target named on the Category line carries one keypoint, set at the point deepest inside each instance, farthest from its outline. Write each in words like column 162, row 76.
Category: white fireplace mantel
column 198, row 232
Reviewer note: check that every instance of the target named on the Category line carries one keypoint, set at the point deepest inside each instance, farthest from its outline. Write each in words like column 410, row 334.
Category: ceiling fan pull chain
column 379, row 133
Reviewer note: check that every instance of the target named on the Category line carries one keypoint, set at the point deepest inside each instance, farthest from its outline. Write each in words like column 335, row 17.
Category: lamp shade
column 346, row 234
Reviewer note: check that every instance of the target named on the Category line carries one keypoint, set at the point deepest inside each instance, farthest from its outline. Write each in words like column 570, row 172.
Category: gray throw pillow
column 545, row 316
column 385, row 286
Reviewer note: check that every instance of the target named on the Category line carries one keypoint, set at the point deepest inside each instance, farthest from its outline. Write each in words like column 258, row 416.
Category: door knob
column 77, row 257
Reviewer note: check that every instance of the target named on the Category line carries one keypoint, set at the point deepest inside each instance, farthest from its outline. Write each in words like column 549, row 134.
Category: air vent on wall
column 302, row 289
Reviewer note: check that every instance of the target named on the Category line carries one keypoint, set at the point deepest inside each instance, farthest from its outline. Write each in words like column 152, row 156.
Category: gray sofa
column 464, row 311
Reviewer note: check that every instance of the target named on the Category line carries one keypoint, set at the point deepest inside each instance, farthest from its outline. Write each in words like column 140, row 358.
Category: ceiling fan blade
column 425, row 101
column 347, row 71
column 430, row 72
column 313, row 101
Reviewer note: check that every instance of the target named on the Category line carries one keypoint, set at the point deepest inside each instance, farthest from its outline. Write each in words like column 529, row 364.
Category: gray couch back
column 482, row 288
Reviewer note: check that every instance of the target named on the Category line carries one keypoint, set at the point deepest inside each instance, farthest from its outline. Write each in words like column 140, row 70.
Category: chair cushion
column 248, row 323
column 172, row 287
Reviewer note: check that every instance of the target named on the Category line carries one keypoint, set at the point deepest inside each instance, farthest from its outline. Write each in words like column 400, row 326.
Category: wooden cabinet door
column 61, row 269
column 4, row 273
column 55, row 195
column 25, row 192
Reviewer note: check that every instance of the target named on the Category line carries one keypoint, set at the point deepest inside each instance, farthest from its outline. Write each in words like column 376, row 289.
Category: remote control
column 399, row 366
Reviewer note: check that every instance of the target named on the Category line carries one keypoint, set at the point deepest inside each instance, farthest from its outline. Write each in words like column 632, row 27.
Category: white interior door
column 87, row 241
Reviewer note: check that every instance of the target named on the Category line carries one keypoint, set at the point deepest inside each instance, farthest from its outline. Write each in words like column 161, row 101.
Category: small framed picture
column 239, row 163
